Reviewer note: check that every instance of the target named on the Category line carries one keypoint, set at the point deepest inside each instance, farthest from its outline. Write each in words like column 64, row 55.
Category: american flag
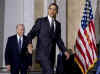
column 85, row 55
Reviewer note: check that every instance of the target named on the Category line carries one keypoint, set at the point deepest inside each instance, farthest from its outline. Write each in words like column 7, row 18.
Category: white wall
column 28, row 14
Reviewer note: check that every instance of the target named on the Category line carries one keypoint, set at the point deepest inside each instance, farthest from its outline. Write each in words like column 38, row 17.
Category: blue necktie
column 19, row 44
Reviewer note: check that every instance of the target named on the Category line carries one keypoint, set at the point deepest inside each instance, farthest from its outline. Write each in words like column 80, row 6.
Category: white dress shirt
column 50, row 21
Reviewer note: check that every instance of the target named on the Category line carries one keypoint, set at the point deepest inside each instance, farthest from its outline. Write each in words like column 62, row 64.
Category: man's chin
column 51, row 15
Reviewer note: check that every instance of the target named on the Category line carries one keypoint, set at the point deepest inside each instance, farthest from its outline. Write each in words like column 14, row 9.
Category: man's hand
column 30, row 47
column 67, row 55
column 8, row 67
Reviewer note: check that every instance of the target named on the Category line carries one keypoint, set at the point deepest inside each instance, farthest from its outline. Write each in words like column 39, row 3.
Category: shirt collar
column 50, row 19
column 19, row 37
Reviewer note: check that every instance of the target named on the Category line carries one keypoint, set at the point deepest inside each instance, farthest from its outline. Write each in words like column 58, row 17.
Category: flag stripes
column 85, row 50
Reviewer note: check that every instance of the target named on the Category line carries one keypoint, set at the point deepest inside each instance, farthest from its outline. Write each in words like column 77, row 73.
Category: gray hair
column 20, row 25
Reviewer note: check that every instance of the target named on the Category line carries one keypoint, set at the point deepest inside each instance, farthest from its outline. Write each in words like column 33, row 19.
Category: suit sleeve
column 60, row 42
column 34, row 31
column 7, row 53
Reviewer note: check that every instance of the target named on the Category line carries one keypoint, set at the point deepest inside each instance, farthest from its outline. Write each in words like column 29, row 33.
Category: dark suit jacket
column 12, row 55
column 46, row 41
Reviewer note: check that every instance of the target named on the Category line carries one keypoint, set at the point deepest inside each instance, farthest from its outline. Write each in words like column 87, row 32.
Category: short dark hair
column 54, row 5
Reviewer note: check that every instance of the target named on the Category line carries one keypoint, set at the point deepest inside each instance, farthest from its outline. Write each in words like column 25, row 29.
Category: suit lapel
column 23, row 41
column 16, row 41
column 47, row 22
column 55, row 25
column 23, row 44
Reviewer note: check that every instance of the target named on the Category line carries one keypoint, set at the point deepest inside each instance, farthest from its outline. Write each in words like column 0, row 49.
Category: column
column 74, row 15
column 28, row 14
column 62, row 18
column 1, row 29
column 97, row 21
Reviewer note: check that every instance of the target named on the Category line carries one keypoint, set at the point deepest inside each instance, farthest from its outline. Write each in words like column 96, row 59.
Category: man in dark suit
column 48, row 32
column 17, row 57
